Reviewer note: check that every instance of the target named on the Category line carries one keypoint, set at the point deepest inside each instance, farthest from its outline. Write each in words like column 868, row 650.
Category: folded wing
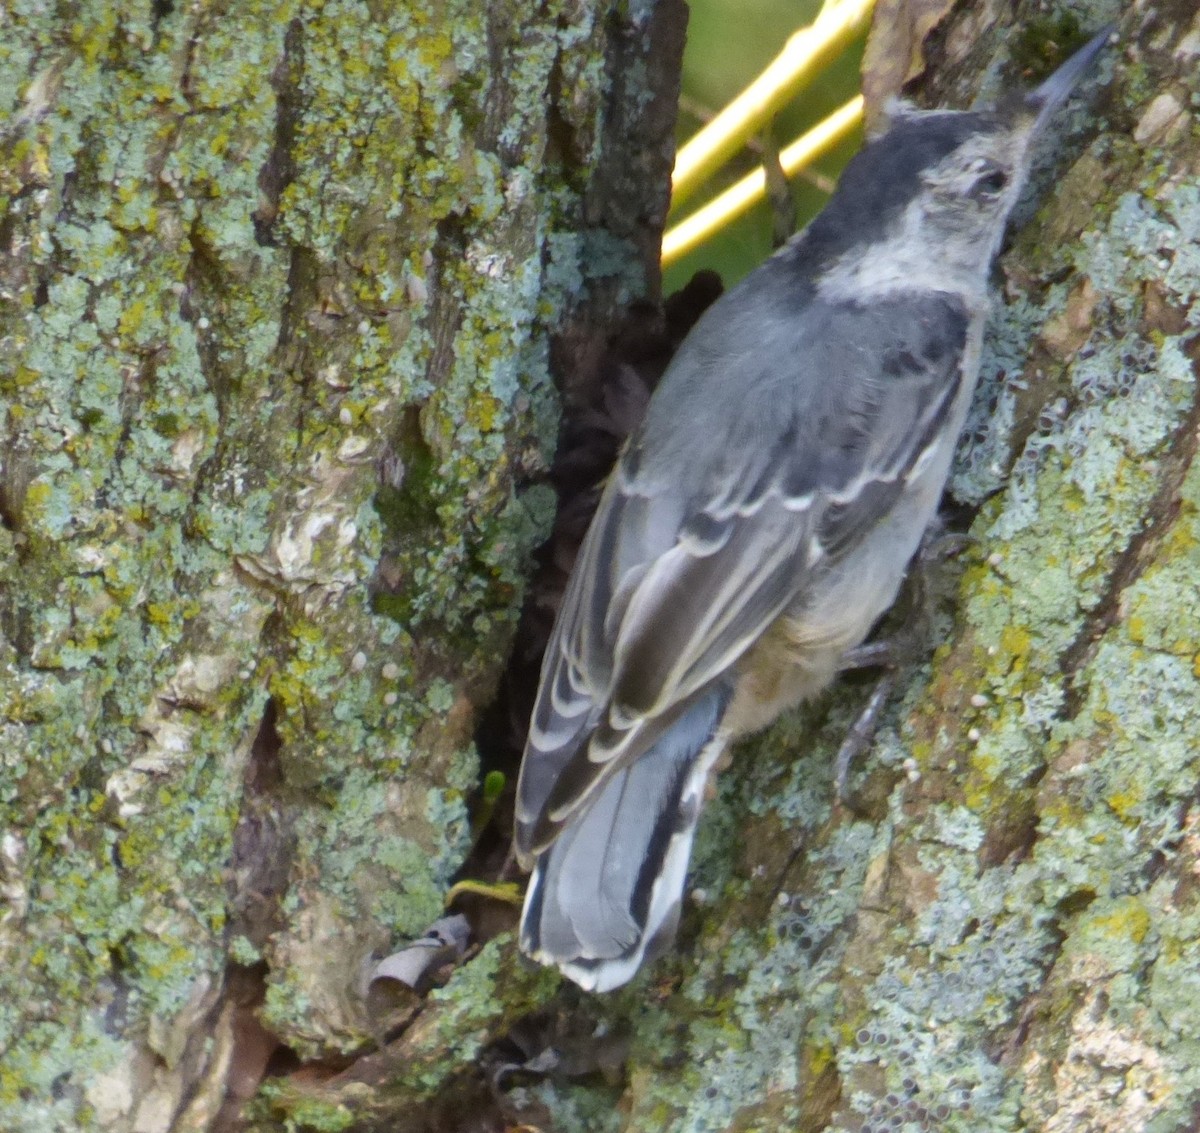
column 681, row 573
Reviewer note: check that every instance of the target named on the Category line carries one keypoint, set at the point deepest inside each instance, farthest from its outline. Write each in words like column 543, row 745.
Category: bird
column 761, row 519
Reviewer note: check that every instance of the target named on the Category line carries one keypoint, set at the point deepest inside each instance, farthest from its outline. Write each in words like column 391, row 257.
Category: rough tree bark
column 278, row 292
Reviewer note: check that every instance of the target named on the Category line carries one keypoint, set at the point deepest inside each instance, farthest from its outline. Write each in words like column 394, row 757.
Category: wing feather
column 695, row 550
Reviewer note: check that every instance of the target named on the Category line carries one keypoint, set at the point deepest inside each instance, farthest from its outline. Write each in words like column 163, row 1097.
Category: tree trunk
column 279, row 300
column 279, row 289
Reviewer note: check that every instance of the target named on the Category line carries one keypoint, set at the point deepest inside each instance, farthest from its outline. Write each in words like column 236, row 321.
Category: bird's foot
column 908, row 644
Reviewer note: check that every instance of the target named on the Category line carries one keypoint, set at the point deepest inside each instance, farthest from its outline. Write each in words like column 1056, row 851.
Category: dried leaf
column 445, row 941
column 895, row 52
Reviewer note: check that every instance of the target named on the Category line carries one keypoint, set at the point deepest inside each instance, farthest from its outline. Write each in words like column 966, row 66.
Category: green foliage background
column 729, row 42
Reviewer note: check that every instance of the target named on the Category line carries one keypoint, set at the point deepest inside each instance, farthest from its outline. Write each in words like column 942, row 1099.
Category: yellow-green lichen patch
column 254, row 258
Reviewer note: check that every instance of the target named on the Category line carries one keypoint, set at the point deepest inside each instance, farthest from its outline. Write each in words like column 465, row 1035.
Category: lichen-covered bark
column 1003, row 931
column 278, row 285
column 278, row 292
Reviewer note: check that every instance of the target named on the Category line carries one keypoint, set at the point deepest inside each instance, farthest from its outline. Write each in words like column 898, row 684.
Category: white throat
column 904, row 262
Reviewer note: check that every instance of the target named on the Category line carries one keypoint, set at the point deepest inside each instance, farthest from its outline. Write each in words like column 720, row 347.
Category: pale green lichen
column 199, row 391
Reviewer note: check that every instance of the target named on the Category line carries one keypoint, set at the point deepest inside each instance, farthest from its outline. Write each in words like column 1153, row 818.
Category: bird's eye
column 990, row 185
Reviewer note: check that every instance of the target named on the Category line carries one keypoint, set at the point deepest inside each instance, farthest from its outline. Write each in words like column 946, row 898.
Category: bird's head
column 924, row 204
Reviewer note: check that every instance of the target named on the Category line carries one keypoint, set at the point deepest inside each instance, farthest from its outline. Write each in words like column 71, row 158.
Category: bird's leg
column 908, row 643
column 861, row 732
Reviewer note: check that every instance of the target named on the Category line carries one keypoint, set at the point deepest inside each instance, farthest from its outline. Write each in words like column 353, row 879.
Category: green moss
column 301, row 1114
column 1043, row 43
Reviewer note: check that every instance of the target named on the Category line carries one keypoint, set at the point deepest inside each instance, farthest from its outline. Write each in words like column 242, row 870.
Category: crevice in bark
column 609, row 383
column 304, row 271
column 204, row 278
column 406, row 501
column 17, row 470
column 563, row 150
column 189, row 58
column 445, row 311
column 263, row 841
column 279, row 169
column 255, row 1049
column 497, row 104
column 263, row 848
column 1012, row 840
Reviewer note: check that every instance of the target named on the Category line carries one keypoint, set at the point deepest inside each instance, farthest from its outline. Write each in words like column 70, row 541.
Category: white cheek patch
column 902, row 263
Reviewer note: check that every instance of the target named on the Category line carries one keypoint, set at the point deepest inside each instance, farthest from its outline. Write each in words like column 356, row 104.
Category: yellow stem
column 695, row 229
column 507, row 891
column 807, row 52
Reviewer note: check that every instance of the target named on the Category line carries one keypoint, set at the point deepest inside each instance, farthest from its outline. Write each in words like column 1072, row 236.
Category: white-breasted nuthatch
column 761, row 520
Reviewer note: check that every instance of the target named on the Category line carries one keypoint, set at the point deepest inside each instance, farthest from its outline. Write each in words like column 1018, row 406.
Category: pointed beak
column 1047, row 98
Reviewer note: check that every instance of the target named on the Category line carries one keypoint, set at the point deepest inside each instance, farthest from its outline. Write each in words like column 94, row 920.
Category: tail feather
column 605, row 896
